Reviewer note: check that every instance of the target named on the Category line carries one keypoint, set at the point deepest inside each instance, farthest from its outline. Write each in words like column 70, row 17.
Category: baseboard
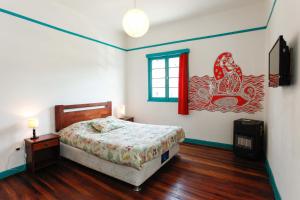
column 12, row 171
column 272, row 181
column 209, row 144
column 230, row 147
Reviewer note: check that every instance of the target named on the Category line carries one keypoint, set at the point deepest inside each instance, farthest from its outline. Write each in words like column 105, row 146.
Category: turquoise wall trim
column 143, row 47
column 59, row 29
column 271, row 13
column 208, row 143
column 12, row 171
column 200, row 38
column 272, row 181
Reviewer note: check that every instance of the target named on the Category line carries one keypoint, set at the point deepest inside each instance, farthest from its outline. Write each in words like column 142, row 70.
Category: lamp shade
column 122, row 110
column 135, row 23
column 33, row 123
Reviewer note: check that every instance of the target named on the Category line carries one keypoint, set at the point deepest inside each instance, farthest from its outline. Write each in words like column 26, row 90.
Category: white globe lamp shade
column 135, row 23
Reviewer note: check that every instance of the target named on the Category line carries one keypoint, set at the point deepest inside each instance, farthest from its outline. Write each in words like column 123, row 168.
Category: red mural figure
column 228, row 91
column 227, row 74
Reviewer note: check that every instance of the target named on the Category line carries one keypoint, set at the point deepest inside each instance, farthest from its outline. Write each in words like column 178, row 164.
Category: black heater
column 248, row 138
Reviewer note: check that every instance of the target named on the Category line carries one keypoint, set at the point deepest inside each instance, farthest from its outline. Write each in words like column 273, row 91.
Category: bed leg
column 137, row 188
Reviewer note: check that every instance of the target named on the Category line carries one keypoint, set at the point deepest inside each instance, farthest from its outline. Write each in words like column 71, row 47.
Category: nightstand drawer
column 45, row 144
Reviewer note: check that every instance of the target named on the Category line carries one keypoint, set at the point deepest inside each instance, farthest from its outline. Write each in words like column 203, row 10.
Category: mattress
column 132, row 144
column 121, row 172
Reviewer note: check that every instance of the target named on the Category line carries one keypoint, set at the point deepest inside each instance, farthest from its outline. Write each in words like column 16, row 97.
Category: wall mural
column 228, row 91
column 274, row 80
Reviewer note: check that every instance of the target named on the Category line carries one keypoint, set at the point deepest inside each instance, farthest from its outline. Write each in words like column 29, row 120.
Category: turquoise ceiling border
column 271, row 13
column 199, row 38
column 142, row 47
column 59, row 29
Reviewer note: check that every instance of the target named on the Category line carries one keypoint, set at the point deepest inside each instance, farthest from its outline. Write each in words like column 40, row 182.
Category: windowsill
column 175, row 100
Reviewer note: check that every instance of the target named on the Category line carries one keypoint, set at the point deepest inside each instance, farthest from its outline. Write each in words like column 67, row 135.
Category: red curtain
column 183, row 108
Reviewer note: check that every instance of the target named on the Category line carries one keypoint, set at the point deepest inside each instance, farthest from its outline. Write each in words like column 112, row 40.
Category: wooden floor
column 196, row 173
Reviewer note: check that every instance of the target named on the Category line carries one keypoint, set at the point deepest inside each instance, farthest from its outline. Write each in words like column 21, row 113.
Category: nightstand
column 130, row 119
column 42, row 152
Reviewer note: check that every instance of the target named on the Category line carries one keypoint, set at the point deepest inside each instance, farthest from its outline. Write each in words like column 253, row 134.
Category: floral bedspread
column 133, row 144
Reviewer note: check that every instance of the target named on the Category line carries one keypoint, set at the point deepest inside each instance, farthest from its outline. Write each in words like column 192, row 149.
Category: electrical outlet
column 19, row 146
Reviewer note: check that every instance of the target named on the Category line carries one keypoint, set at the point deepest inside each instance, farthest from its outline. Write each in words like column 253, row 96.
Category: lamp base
column 34, row 138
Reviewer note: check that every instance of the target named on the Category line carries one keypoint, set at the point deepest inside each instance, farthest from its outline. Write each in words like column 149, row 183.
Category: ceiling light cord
column 135, row 4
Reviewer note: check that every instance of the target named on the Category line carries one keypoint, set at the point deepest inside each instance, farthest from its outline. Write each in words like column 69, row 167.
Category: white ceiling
column 109, row 13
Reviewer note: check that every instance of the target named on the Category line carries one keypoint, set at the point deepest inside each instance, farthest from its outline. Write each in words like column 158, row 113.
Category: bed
column 127, row 151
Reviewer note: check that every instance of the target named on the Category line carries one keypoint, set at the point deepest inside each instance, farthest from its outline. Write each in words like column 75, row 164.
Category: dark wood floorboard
column 197, row 172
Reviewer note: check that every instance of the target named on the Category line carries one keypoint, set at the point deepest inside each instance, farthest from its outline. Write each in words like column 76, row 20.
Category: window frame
column 166, row 56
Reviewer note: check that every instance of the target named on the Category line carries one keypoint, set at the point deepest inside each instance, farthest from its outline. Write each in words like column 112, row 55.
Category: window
column 163, row 75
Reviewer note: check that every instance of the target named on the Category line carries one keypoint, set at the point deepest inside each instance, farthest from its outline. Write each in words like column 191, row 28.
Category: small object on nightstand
column 33, row 123
column 130, row 119
column 42, row 152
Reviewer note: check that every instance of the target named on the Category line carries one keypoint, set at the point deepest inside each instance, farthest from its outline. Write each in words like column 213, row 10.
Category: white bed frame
column 124, row 173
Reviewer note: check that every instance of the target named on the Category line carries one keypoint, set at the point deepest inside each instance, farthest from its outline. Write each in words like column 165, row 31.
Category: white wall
column 58, row 14
column 283, row 105
column 248, row 51
column 41, row 67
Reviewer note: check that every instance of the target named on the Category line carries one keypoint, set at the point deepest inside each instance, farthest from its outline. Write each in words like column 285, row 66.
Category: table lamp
column 121, row 111
column 33, row 123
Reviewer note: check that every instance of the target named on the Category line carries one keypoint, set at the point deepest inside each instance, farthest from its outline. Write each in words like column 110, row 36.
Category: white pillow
column 104, row 126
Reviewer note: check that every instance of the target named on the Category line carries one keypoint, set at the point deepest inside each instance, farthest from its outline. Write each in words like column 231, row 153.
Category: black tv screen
column 279, row 64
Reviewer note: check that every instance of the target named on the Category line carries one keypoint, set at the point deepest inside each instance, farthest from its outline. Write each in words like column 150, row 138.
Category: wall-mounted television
column 279, row 64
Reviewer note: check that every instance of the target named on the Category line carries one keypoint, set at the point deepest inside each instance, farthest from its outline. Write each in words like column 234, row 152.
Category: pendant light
column 135, row 22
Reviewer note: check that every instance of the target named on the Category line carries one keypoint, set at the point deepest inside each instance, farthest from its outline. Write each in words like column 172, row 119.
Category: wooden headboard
column 66, row 115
